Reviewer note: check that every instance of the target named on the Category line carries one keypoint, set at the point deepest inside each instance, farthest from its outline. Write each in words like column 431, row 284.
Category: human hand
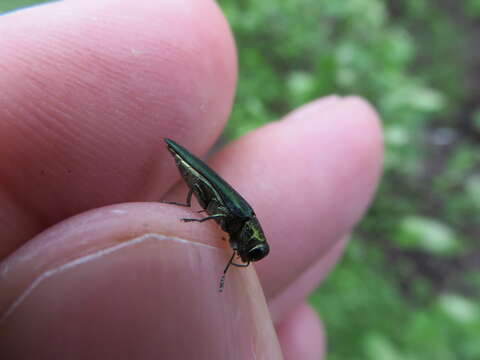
column 85, row 103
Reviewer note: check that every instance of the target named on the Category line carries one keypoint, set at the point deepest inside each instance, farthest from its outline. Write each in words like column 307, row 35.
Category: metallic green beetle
column 223, row 204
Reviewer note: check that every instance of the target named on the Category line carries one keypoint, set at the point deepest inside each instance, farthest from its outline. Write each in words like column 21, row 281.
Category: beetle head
column 252, row 244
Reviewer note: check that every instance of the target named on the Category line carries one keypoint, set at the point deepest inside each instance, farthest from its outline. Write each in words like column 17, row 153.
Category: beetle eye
column 258, row 252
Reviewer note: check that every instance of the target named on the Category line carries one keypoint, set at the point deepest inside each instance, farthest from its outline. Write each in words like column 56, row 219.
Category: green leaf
column 459, row 308
column 473, row 189
column 416, row 232
column 378, row 347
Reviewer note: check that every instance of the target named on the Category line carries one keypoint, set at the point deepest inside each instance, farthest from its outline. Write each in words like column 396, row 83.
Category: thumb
column 131, row 281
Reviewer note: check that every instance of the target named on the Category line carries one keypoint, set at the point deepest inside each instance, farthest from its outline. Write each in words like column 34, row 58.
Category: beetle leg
column 240, row 265
column 187, row 204
column 222, row 279
column 230, row 262
column 216, row 216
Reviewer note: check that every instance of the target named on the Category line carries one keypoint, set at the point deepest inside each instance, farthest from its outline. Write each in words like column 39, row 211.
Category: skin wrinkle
column 85, row 259
column 28, row 226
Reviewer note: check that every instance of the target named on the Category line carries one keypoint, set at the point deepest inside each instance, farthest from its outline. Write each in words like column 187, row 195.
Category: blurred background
column 408, row 286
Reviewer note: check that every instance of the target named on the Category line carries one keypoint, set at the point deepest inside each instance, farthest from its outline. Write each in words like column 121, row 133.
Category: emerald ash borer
column 224, row 205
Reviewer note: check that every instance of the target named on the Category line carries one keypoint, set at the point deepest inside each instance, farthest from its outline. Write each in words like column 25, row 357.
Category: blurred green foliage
column 406, row 288
column 408, row 285
column 8, row 5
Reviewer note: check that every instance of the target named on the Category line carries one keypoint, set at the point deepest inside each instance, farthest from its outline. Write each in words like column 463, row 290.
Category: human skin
column 91, row 265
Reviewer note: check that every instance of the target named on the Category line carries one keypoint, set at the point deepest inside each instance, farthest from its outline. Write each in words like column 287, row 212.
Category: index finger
column 87, row 99
column 309, row 179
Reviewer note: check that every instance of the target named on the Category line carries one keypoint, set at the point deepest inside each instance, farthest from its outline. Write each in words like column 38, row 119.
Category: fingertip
column 146, row 283
column 89, row 95
column 315, row 173
column 301, row 335
column 172, row 60
column 370, row 124
column 340, row 112
column 352, row 110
